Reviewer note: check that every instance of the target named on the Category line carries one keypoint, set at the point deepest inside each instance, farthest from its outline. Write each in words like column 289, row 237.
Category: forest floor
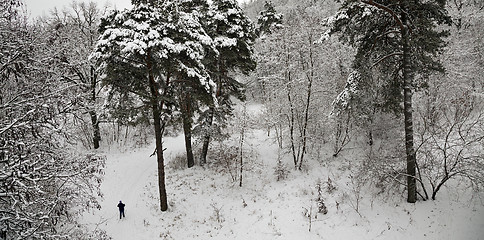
column 205, row 203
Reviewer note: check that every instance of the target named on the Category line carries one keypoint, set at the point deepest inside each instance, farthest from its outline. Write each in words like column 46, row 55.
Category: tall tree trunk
column 159, row 127
column 310, row 78
column 211, row 113
column 291, row 125
column 407, row 107
column 206, row 137
column 159, row 157
column 291, row 117
column 187, row 124
column 94, row 119
column 95, row 125
column 242, row 138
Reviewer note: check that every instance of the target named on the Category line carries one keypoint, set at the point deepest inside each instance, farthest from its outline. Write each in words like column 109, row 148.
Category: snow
column 232, row 11
column 344, row 98
column 330, row 21
column 219, row 17
column 204, row 203
column 223, row 41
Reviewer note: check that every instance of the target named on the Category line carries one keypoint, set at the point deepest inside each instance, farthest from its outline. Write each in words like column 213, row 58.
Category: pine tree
column 268, row 20
column 233, row 35
column 190, row 95
column 397, row 42
column 144, row 51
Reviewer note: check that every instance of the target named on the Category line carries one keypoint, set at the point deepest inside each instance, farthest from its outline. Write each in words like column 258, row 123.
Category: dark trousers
column 121, row 214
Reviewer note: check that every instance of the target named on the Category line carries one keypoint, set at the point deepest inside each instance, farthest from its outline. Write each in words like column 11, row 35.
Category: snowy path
column 126, row 176
column 125, row 182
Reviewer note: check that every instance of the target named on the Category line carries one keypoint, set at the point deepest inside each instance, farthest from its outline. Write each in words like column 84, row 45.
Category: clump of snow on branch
column 224, row 41
column 342, row 15
column 232, row 19
column 146, row 29
column 344, row 98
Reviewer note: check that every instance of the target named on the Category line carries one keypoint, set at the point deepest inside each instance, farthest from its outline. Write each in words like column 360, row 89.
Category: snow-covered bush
column 224, row 158
column 217, row 215
column 281, row 170
column 320, row 199
column 330, row 187
column 178, row 162
column 450, row 133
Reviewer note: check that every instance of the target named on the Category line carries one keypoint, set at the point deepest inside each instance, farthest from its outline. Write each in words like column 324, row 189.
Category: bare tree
column 73, row 34
column 42, row 178
column 451, row 141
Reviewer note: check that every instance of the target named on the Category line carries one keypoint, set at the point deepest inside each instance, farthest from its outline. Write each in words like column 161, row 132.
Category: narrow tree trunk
column 306, row 120
column 370, row 137
column 159, row 157
column 94, row 119
column 242, row 135
column 291, row 109
column 187, row 124
column 95, row 125
column 291, row 128
column 310, row 78
column 209, row 121
column 156, row 108
column 126, row 133
column 407, row 105
column 206, row 137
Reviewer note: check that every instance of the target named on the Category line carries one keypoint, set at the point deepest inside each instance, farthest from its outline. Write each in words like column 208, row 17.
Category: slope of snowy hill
column 204, row 202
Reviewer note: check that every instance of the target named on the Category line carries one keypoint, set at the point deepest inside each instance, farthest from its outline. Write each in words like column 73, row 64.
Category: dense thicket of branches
column 44, row 182
column 397, row 54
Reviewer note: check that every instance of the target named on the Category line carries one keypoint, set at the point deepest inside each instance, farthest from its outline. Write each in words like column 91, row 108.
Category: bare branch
column 385, row 57
column 388, row 10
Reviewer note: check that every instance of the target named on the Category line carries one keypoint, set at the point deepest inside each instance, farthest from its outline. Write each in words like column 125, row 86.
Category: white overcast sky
column 40, row 7
column 37, row 8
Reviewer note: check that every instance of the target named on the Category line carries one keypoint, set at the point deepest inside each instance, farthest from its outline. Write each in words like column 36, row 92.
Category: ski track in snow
column 125, row 179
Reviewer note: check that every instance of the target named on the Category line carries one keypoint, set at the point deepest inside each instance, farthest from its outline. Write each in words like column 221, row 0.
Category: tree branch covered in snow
column 176, row 38
column 45, row 184
column 347, row 95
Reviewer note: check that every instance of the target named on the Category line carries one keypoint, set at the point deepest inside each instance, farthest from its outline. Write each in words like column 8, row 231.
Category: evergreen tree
column 396, row 42
column 189, row 94
column 144, row 51
column 268, row 20
column 233, row 34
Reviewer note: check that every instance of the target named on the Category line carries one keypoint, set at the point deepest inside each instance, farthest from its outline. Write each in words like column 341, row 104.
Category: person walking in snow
column 121, row 209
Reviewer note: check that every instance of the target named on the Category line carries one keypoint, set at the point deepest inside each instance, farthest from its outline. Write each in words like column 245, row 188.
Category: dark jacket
column 121, row 206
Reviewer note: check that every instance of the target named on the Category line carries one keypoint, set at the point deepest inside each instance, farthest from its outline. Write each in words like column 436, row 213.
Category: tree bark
column 156, row 108
column 211, row 112
column 159, row 157
column 242, row 138
column 291, row 118
column 310, row 78
column 95, row 125
column 94, row 119
column 291, row 127
column 187, row 124
column 206, row 138
column 408, row 112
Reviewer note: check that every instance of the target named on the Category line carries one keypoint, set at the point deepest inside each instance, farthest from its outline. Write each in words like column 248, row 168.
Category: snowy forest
column 219, row 119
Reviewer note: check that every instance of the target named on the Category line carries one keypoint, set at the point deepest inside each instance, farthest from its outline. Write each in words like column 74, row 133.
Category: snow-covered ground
column 205, row 204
